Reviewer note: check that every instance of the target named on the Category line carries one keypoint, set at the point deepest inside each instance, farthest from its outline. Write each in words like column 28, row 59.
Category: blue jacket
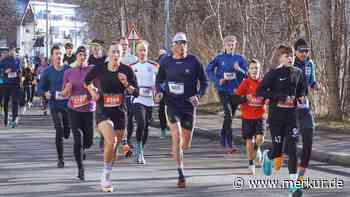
column 224, row 63
column 15, row 65
column 52, row 80
column 309, row 71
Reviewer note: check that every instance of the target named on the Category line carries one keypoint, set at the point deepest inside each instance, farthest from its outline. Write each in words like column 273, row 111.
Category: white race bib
column 307, row 71
column 146, row 92
column 12, row 75
column 304, row 104
column 176, row 88
column 230, row 76
column 59, row 96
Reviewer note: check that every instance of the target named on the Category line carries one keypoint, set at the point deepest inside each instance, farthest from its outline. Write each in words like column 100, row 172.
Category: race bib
column 146, row 92
column 176, row 88
column 230, row 76
column 12, row 75
column 79, row 101
column 256, row 102
column 303, row 104
column 112, row 100
column 59, row 96
column 289, row 103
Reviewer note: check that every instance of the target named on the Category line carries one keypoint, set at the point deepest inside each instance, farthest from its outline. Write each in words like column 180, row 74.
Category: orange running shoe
column 278, row 162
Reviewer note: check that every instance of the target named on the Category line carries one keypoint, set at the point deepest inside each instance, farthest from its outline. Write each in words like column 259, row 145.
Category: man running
column 285, row 87
column 177, row 81
column 50, row 86
column 227, row 70
column 11, row 68
column 145, row 71
column 305, row 119
column 81, row 108
column 114, row 78
column 28, row 83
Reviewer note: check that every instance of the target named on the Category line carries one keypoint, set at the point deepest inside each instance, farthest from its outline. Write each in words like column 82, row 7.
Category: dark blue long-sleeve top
column 180, row 79
column 222, row 65
column 309, row 71
column 13, row 77
column 52, row 80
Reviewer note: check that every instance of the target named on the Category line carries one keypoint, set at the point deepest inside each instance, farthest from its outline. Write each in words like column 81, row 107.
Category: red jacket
column 254, row 108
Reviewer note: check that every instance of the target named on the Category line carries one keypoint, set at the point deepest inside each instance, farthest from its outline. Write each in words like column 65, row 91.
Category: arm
column 211, row 71
column 313, row 82
column 264, row 89
column 160, row 79
column 203, row 80
column 44, row 84
column 132, row 83
column 301, row 86
column 66, row 87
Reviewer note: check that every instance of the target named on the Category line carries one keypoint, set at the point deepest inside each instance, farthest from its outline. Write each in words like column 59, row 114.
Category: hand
column 94, row 94
column 158, row 97
column 130, row 89
column 249, row 98
column 67, row 90
column 47, row 95
column 236, row 67
column 194, row 100
column 123, row 79
column 222, row 81
column 7, row 71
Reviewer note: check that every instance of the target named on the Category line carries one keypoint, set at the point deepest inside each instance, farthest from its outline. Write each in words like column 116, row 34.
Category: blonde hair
column 142, row 44
column 226, row 39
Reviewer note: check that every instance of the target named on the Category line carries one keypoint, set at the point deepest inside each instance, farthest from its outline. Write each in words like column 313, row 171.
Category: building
column 62, row 22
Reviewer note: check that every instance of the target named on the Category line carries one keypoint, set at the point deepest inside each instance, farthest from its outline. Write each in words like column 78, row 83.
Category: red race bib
column 113, row 100
column 79, row 101
column 288, row 103
column 256, row 102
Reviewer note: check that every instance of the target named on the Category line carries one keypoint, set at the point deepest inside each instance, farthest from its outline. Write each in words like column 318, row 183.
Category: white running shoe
column 106, row 182
column 251, row 169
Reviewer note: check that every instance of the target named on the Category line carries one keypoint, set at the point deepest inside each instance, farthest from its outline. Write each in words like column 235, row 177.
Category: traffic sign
column 134, row 34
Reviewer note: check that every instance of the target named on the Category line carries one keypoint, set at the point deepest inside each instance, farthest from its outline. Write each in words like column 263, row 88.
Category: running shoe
column 162, row 133
column 266, row 164
column 294, row 191
column 106, row 183
column 81, row 175
column 127, row 151
column 181, row 183
column 277, row 163
column 60, row 164
column 141, row 159
column 251, row 169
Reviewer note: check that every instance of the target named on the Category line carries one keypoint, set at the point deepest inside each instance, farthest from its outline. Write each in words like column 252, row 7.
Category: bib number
column 146, row 92
column 79, row 101
column 176, row 88
column 59, row 96
column 230, row 76
column 112, row 100
column 289, row 103
column 12, row 75
column 256, row 102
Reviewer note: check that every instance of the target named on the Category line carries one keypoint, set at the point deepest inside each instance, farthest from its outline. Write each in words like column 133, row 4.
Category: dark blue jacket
column 15, row 65
column 224, row 63
column 309, row 70
column 188, row 72
column 52, row 80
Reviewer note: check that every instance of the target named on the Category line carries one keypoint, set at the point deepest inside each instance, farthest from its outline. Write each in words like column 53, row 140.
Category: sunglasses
column 180, row 42
column 303, row 51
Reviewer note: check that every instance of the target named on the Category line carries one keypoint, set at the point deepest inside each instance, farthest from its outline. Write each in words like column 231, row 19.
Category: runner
column 145, row 71
column 80, row 108
column 161, row 109
column 227, row 70
column 128, row 59
column 69, row 57
column 40, row 70
column 11, row 68
column 305, row 119
column 28, row 84
column 253, row 110
column 284, row 86
column 114, row 79
column 2, row 80
column 50, row 86
column 96, row 57
column 177, row 80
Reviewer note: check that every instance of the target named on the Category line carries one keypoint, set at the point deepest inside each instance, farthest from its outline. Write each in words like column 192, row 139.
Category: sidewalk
column 328, row 146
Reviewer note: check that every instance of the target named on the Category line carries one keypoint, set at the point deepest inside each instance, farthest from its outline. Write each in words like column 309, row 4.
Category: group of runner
column 120, row 87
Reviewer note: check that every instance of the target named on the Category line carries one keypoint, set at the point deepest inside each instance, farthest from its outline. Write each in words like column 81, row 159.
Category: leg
column 227, row 124
column 162, row 118
column 78, row 134
column 59, row 133
column 14, row 103
column 6, row 104
column 140, row 116
column 88, row 128
column 130, row 123
column 65, row 122
column 188, row 124
column 148, row 120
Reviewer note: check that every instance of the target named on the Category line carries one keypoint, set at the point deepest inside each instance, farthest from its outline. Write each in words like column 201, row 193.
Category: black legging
column 290, row 134
column 61, row 124
column 143, row 115
column 130, row 119
column 161, row 115
column 29, row 92
column 83, row 131
column 307, row 135
column 11, row 91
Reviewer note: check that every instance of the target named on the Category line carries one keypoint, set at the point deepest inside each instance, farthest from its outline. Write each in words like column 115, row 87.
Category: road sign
column 133, row 34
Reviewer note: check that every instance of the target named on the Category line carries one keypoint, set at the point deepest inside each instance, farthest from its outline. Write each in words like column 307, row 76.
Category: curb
column 322, row 156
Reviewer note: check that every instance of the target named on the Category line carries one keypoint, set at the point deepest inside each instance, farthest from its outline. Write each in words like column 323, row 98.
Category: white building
column 63, row 26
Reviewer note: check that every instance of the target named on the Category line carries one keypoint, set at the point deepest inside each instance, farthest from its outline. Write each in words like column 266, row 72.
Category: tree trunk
column 334, row 105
